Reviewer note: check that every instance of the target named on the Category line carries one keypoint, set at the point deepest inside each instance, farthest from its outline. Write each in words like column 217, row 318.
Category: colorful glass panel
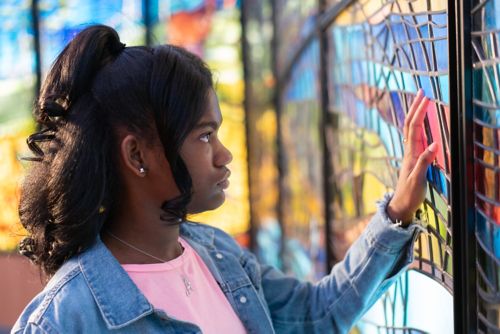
column 262, row 157
column 212, row 30
column 486, row 128
column 381, row 53
column 301, row 150
column 295, row 19
column 60, row 21
column 17, row 88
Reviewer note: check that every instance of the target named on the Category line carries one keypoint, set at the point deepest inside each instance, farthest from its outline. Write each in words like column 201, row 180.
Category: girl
column 128, row 146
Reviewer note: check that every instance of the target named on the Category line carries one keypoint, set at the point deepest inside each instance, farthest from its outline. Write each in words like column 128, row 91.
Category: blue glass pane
column 60, row 22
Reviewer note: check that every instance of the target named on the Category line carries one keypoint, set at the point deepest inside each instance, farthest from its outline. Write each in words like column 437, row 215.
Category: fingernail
column 432, row 148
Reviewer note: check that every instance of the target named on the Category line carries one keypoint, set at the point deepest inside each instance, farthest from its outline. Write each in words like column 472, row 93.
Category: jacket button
column 219, row 256
column 243, row 299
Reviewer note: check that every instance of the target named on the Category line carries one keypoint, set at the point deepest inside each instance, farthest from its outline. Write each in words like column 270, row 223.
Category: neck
column 144, row 231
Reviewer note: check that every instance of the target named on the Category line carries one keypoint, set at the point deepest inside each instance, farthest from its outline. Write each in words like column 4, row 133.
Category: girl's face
column 206, row 159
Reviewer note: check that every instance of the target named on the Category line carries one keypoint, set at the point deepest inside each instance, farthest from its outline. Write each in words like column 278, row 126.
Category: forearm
column 371, row 265
column 339, row 299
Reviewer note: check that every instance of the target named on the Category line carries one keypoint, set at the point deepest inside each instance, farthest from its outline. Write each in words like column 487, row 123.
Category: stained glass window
column 301, row 149
column 17, row 86
column 295, row 20
column 261, row 129
column 381, row 53
column 486, row 129
column 212, row 30
column 60, row 21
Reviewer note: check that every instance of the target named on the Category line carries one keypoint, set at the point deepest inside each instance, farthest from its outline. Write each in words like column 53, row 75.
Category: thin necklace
column 135, row 248
column 187, row 283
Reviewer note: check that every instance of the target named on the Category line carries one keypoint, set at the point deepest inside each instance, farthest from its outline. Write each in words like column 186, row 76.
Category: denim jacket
column 91, row 293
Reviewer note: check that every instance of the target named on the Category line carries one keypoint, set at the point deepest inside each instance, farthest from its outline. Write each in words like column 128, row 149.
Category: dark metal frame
column 36, row 33
column 327, row 165
column 278, row 105
column 462, row 165
column 248, row 94
column 146, row 12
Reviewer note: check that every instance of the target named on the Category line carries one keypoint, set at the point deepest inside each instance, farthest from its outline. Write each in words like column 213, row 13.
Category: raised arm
column 372, row 263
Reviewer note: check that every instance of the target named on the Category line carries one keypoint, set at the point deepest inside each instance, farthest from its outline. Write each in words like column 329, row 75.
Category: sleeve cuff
column 386, row 235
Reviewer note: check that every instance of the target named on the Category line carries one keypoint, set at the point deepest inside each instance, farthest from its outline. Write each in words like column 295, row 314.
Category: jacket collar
column 118, row 298
column 198, row 233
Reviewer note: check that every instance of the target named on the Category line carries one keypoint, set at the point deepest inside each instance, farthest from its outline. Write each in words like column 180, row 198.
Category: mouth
column 224, row 183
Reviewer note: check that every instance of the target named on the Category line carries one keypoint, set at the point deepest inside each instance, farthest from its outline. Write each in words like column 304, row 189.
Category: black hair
column 95, row 86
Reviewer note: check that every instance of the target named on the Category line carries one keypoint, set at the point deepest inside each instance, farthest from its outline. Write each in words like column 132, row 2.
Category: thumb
column 425, row 159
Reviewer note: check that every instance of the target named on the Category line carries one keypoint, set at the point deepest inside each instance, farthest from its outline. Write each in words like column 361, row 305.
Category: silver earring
column 142, row 171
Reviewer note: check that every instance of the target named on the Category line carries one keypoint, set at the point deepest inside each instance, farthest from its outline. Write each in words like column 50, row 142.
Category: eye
column 206, row 137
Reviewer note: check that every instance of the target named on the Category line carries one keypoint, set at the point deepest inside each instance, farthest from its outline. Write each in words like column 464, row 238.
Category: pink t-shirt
column 186, row 290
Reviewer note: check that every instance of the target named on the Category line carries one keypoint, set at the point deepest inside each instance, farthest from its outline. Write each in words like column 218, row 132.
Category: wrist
column 401, row 217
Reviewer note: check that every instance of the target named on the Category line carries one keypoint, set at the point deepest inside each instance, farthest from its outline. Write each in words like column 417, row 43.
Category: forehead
column 212, row 111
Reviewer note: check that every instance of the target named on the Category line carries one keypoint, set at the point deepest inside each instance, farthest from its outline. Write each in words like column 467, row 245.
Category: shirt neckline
column 162, row 266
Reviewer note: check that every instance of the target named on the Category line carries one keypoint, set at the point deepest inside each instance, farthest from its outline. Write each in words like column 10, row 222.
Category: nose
column 223, row 156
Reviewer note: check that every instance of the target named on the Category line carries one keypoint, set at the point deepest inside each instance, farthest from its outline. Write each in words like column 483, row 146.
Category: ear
column 133, row 155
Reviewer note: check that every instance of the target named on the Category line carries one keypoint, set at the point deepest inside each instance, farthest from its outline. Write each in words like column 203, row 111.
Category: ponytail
column 70, row 179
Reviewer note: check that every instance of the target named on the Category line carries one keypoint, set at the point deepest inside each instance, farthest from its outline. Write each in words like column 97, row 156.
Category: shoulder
column 62, row 300
column 217, row 243
column 212, row 236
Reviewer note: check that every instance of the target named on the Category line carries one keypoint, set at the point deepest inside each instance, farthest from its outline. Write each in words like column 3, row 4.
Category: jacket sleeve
column 338, row 300
column 31, row 328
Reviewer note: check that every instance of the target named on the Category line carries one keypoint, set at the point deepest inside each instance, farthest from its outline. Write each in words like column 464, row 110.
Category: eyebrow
column 211, row 124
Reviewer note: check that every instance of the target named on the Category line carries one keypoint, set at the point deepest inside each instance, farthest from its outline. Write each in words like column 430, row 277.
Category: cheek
column 162, row 180
column 198, row 164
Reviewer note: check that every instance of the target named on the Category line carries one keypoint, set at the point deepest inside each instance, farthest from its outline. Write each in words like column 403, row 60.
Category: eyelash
column 208, row 135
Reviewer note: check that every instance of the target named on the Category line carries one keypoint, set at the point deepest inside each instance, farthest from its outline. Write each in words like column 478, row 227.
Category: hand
column 411, row 187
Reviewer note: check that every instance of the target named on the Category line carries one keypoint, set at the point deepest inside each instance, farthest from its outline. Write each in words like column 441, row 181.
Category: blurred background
column 32, row 33
column 313, row 94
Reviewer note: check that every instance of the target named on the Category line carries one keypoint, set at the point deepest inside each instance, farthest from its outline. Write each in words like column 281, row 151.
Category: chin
column 208, row 204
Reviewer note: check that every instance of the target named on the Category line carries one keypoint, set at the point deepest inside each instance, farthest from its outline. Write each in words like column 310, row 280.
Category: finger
column 416, row 125
column 425, row 159
column 418, row 117
column 411, row 112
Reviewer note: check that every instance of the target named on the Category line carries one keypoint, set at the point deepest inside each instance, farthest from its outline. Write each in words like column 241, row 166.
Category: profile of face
column 206, row 159
column 204, row 155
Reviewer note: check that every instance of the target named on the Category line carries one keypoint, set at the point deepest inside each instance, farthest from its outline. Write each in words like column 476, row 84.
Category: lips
column 224, row 183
